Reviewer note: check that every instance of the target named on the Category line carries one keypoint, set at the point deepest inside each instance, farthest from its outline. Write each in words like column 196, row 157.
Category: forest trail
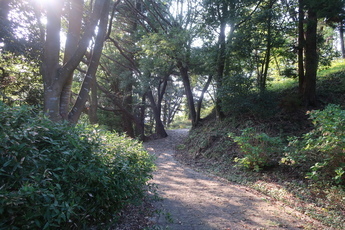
column 194, row 201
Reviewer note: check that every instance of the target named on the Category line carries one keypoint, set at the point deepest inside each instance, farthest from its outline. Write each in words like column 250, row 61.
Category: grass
column 210, row 149
column 181, row 122
column 337, row 66
column 282, row 83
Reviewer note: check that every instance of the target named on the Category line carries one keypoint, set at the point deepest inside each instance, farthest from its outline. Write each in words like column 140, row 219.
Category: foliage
column 20, row 29
column 258, row 149
column 323, row 200
column 180, row 122
column 326, row 8
column 109, row 120
column 325, row 42
column 324, row 146
column 19, row 80
column 56, row 176
column 238, row 97
column 337, row 67
column 235, row 93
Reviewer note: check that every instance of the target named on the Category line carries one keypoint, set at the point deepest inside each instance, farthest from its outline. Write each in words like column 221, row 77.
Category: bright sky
column 41, row 1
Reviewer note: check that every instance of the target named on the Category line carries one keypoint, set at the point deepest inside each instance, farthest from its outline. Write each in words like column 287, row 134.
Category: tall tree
column 301, row 44
column 120, row 66
column 315, row 9
column 171, row 35
column 182, row 30
column 341, row 36
column 220, row 14
column 311, row 59
column 225, row 18
column 57, row 76
column 268, row 10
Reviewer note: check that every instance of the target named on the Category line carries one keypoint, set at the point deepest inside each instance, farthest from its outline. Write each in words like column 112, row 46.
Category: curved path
column 193, row 201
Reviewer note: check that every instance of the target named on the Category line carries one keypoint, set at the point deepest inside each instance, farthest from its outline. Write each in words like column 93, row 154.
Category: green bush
column 323, row 149
column 235, row 93
column 60, row 176
column 259, row 149
column 239, row 96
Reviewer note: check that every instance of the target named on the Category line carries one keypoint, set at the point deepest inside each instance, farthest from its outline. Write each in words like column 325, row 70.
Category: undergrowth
column 310, row 177
column 57, row 176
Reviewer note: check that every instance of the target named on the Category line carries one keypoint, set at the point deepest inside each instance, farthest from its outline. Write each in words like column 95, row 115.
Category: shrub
column 258, row 148
column 58, row 176
column 235, row 94
column 323, row 147
column 239, row 96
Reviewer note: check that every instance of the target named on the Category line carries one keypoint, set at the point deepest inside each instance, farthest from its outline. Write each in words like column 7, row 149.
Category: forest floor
column 194, row 200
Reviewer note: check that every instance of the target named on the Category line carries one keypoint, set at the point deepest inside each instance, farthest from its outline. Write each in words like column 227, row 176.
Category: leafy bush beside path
column 323, row 147
column 59, row 176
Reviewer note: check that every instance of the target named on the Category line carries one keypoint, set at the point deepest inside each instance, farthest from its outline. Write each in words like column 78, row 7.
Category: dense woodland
column 131, row 65
column 138, row 66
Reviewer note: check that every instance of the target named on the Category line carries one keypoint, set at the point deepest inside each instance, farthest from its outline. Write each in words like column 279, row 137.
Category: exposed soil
column 192, row 200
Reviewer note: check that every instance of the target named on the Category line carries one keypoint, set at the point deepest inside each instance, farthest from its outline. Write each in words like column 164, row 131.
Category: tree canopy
column 135, row 64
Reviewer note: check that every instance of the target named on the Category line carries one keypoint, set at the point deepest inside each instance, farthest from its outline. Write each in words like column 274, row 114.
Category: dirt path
column 192, row 200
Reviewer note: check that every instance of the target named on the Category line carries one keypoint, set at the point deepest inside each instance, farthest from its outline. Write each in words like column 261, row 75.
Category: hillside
column 210, row 149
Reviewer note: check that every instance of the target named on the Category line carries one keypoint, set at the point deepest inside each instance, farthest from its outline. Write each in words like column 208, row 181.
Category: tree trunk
column 301, row 46
column 128, row 104
column 165, row 114
column 341, row 35
column 75, row 14
column 50, row 64
column 138, row 120
column 157, row 107
column 161, row 90
column 221, row 58
column 188, row 91
column 93, row 117
column 128, row 91
column 159, row 127
column 268, row 48
column 140, row 127
column 56, row 78
column 92, row 68
column 198, row 111
column 311, row 63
